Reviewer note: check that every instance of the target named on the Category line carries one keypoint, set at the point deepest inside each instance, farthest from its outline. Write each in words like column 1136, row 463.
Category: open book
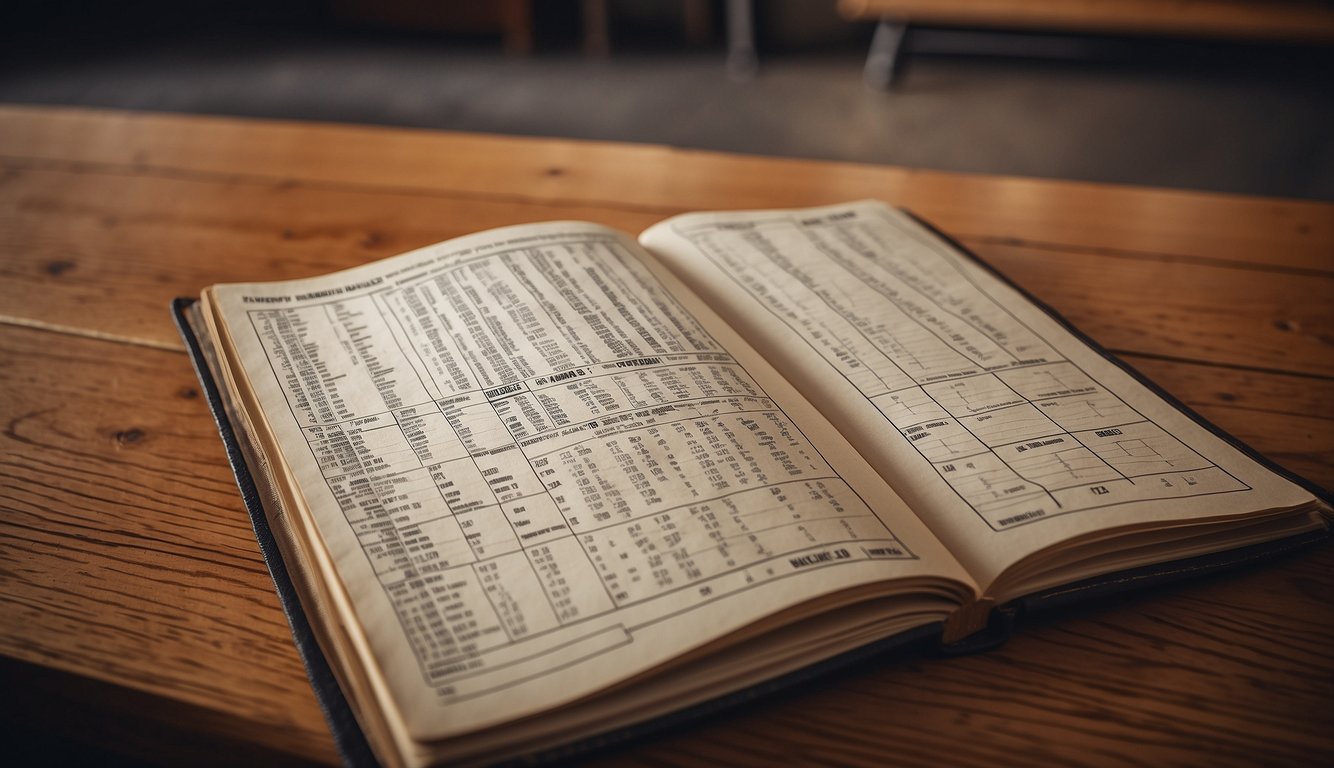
column 545, row 483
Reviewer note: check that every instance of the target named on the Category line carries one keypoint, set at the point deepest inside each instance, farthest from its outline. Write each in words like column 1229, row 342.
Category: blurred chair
column 1259, row 20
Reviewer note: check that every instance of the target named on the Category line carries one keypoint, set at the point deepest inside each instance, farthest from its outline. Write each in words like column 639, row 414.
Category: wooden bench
column 1276, row 20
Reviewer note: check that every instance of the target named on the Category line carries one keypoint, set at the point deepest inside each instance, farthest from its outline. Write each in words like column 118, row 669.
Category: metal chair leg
column 883, row 58
column 742, row 63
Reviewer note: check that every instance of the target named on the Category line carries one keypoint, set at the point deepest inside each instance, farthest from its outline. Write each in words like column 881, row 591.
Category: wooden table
column 136, row 613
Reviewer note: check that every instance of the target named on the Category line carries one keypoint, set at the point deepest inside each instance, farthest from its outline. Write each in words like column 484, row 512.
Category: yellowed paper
column 540, row 466
column 1000, row 428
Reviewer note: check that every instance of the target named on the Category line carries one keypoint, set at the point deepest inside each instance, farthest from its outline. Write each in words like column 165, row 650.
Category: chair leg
column 883, row 58
column 741, row 60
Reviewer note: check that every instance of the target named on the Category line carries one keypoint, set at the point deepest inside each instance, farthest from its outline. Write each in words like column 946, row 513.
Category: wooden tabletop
column 136, row 612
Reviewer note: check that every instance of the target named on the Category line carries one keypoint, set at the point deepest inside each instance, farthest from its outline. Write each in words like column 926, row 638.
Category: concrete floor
column 1236, row 119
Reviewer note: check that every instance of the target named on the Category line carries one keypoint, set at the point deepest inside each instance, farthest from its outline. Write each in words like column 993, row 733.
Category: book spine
column 967, row 621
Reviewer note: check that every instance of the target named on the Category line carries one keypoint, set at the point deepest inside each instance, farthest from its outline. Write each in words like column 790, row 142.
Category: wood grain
column 121, row 258
column 664, row 180
column 125, row 553
column 132, row 597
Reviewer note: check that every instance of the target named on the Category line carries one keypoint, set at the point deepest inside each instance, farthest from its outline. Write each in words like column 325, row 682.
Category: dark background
column 1225, row 116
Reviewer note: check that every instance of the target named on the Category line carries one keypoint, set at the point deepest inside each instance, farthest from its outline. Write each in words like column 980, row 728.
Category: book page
column 1002, row 430
column 541, row 466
